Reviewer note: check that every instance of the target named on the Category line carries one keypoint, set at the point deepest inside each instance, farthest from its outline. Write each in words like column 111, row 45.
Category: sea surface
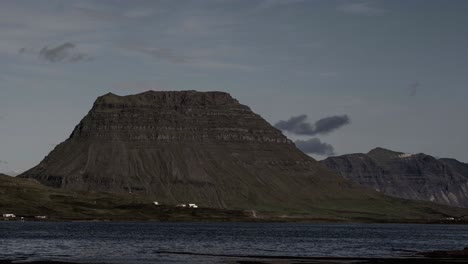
column 129, row 242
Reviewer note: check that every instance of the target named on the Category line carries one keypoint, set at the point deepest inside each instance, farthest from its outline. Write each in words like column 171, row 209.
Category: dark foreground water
column 215, row 242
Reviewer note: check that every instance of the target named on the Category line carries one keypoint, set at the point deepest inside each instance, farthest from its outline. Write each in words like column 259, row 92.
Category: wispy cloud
column 195, row 58
column 90, row 22
column 298, row 125
column 366, row 8
column 66, row 52
column 106, row 13
column 315, row 146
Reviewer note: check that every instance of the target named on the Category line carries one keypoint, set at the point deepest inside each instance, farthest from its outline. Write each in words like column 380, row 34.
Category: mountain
column 409, row 176
column 206, row 148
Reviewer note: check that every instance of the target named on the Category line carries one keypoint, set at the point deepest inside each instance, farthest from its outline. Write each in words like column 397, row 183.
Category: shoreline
column 252, row 259
column 231, row 220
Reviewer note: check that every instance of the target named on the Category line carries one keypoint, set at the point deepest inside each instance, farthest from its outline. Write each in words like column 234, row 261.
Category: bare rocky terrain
column 409, row 176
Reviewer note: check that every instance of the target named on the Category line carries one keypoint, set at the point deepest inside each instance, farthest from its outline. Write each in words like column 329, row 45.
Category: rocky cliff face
column 202, row 147
column 417, row 177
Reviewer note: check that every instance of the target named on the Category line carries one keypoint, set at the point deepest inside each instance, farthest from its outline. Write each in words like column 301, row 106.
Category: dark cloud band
column 298, row 125
column 66, row 52
column 315, row 146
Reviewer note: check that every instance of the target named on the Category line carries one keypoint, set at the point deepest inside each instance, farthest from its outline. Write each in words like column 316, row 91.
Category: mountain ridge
column 409, row 176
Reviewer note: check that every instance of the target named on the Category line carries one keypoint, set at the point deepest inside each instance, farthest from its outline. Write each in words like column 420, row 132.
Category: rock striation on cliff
column 409, row 176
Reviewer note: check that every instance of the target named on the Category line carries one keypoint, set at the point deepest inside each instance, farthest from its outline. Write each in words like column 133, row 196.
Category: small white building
column 155, row 203
column 9, row 215
column 193, row 205
column 181, row 205
column 40, row 217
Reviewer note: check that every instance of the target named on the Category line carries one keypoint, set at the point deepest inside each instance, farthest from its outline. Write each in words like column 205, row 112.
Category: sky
column 395, row 72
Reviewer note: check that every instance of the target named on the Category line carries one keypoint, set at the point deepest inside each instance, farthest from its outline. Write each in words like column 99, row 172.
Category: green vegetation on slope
column 26, row 197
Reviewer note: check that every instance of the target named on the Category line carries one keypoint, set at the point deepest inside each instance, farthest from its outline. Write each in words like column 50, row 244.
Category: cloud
column 299, row 126
column 315, row 146
column 62, row 53
column 2, row 162
column 65, row 52
column 295, row 124
column 196, row 58
column 330, row 124
column 114, row 14
column 361, row 8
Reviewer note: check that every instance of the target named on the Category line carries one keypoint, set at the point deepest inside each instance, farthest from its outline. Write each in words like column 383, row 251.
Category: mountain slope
column 416, row 177
column 27, row 198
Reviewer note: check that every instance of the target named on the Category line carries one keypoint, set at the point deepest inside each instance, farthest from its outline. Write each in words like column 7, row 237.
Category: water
column 214, row 242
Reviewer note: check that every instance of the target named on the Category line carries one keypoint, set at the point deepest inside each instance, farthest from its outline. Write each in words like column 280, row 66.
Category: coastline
column 240, row 219
column 288, row 260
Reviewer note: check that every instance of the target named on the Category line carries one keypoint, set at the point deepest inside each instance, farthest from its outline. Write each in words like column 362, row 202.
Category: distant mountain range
column 409, row 176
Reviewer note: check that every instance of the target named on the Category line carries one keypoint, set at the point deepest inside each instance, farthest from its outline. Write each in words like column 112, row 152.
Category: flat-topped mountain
column 184, row 146
column 205, row 148
column 409, row 176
